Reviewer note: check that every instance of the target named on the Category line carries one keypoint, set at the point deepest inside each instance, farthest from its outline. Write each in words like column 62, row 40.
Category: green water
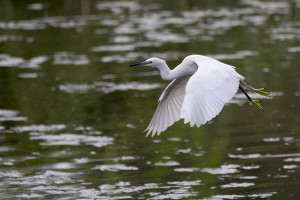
column 72, row 114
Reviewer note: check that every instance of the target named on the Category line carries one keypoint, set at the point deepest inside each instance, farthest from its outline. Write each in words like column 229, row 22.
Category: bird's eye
column 150, row 62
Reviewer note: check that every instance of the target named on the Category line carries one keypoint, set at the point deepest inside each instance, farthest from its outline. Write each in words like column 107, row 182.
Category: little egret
column 200, row 88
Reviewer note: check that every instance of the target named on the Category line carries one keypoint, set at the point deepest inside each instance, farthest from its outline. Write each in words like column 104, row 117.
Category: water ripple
column 235, row 56
column 108, row 87
column 186, row 169
column 10, row 115
column 257, row 155
column 11, row 61
column 168, row 163
column 234, row 185
column 39, row 128
column 71, row 139
column 69, row 58
column 115, row 167
column 224, row 169
column 36, row 6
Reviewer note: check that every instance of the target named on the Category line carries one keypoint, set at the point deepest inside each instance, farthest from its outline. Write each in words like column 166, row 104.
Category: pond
column 72, row 113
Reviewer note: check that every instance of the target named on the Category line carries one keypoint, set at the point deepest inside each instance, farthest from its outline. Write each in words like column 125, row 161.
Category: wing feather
column 169, row 107
column 208, row 90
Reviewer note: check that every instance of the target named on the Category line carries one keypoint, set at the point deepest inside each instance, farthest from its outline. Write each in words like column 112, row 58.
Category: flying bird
column 200, row 88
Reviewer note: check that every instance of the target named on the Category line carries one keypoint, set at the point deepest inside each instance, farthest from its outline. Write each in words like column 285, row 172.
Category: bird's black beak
column 140, row 64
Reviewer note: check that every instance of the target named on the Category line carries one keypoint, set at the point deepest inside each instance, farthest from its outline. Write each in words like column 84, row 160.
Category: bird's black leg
column 254, row 102
column 245, row 93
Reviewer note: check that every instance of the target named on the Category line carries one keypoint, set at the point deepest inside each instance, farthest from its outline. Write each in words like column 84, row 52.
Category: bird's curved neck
column 165, row 72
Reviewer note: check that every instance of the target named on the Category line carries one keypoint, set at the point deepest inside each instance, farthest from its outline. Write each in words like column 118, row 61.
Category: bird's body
column 200, row 88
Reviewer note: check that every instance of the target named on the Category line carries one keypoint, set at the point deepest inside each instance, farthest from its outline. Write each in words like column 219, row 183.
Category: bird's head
column 151, row 62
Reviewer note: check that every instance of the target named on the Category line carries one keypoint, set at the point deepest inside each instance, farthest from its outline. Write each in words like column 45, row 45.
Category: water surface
column 72, row 113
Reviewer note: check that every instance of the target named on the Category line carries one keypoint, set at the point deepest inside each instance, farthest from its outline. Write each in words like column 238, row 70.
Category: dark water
column 72, row 113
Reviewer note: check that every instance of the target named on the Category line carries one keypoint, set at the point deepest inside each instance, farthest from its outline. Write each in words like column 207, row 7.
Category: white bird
column 200, row 88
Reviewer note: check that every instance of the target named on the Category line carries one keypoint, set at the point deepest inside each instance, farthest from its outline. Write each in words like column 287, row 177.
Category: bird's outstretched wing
column 169, row 107
column 209, row 88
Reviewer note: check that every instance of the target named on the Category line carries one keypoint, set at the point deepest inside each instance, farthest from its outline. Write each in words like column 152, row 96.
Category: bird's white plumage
column 200, row 88
column 169, row 107
column 207, row 91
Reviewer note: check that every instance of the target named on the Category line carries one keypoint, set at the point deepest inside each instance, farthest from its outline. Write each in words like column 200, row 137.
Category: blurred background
column 72, row 114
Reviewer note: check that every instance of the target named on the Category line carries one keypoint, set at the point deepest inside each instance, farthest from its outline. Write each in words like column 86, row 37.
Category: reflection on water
column 10, row 115
column 72, row 113
column 108, row 87
column 9, row 61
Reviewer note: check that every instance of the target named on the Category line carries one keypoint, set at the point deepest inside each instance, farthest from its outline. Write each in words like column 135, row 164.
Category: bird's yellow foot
column 257, row 105
column 262, row 91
